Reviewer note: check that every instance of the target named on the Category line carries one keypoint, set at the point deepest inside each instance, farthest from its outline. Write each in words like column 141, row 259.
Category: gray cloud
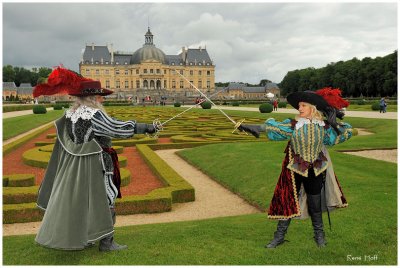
column 248, row 42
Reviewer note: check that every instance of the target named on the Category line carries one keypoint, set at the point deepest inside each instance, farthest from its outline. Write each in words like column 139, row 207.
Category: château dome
column 148, row 52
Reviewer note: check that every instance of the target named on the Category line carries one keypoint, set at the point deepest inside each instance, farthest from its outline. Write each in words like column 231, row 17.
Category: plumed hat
column 327, row 100
column 64, row 81
column 322, row 99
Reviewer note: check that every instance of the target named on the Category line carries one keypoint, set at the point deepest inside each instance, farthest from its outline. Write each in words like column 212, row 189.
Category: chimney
column 112, row 53
column 92, row 46
column 200, row 48
column 183, row 54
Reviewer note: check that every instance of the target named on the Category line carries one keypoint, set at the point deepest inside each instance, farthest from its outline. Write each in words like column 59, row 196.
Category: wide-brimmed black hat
column 307, row 96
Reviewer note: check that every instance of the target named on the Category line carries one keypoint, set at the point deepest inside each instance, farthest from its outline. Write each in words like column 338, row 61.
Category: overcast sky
column 247, row 42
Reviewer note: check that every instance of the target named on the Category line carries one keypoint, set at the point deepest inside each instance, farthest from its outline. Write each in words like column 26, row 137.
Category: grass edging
column 181, row 190
column 16, row 144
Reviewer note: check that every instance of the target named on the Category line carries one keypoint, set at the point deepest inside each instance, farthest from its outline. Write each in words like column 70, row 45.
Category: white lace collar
column 84, row 112
column 305, row 121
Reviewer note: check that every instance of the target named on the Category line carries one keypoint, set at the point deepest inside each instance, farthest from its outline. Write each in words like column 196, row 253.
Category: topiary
column 282, row 104
column 206, row 105
column 57, row 107
column 177, row 104
column 265, row 108
column 361, row 102
column 66, row 105
column 375, row 106
column 39, row 109
column 235, row 103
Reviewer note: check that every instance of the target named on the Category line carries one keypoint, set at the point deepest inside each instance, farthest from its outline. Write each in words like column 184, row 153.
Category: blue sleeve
column 278, row 131
column 104, row 125
column 331, row 137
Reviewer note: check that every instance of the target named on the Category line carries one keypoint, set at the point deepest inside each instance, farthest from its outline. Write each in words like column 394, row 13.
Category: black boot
column 279, row 235
column 314, row 208
column 108, row 244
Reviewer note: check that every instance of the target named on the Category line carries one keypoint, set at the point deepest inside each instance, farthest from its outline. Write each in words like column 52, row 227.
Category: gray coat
column 73, row 195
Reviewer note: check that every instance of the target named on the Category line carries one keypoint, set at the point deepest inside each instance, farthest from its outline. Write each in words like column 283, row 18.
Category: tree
column 8, row 74
column 264, row 82
column 22, row 75
column 366, row 77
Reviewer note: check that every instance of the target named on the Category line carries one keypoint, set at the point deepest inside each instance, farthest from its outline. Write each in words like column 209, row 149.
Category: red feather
column 60, row 81
column 333, row 97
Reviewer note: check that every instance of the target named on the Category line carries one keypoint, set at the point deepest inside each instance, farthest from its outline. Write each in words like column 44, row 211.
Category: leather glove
column 150, row 129
column 252, row 129
column 142, row 128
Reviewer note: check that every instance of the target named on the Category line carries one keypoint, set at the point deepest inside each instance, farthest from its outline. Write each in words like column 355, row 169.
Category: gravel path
column 212, row 200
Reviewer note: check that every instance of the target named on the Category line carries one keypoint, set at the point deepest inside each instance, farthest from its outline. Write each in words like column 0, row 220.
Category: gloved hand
column 150, row 129
column 142, row 128
column 252, row 129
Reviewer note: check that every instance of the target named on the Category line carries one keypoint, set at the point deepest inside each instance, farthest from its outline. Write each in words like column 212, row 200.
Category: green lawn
column 368, row 227
column 17, row 125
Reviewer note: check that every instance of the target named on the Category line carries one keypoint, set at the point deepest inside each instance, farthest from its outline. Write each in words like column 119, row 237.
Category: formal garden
column 247, row 166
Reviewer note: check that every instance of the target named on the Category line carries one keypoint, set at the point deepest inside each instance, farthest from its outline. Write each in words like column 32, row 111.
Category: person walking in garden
column 82, row 179
column 275, row 105
column 382, row 106
column 307, row 185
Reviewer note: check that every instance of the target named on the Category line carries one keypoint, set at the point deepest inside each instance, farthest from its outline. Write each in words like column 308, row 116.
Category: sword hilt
column 237, row 125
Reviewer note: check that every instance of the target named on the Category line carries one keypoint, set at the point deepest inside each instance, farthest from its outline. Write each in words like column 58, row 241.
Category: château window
column 137, row 84
column 117, row 71
column 173, row 63
column 106, row 62
column 200, row 85
column 151, row 71
column 137, row 71
column 165, row 71
column 181, row 72
column 208, row 73
column 191, row 84
column 117, row 62
column 199, row 72
column 165, row 83
column 158, row 71
column 173, row 84
column 208, row 84
column 97, row 62
column 191, row 72
column 126, row 63
column 87, row 71
column 126, row 72
column 181, row 84
column 126, row 84
column 145, row 71
column 107, row 83
column 107, row 71
column 118, row 84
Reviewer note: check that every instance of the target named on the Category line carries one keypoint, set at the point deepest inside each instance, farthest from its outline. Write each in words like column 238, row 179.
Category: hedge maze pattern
column 194, row 128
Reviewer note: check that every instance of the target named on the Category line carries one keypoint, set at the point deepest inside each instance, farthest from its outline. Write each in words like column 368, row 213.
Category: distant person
column 275, row 105
column 82, row 179
column 382, row 105
column 307, row 185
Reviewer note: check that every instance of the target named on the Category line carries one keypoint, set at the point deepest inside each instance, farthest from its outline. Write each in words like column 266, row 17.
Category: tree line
column 20, row 75
column 367, row 77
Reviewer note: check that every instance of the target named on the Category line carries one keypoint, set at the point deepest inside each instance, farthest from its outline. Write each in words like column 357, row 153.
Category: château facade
column 149, row 71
